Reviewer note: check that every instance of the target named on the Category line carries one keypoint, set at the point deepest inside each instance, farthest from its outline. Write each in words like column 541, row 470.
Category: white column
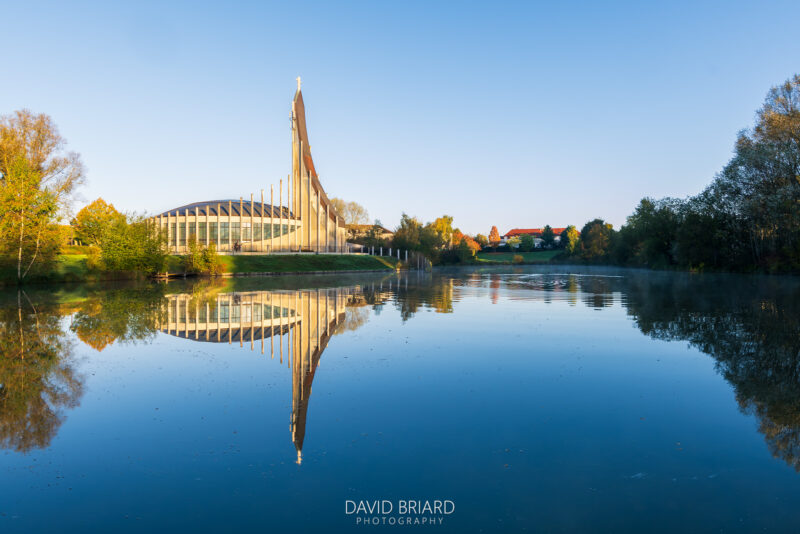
column 301, row 208
column 208, row 229
column 308, row 204
column 317, row 217
column 261, row 245
column 185, row 229
column 271, row 219
column 261, row 294
column 219, row 208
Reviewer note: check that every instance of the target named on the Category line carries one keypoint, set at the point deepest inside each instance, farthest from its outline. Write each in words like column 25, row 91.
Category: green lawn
column 305, row 262
column 73, row 268
column 539, row 256
column 67, row 268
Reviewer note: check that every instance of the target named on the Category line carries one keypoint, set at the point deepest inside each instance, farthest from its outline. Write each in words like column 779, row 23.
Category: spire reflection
column 295, row 325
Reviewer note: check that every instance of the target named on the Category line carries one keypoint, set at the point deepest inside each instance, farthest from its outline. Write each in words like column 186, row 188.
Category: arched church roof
column 210, row 207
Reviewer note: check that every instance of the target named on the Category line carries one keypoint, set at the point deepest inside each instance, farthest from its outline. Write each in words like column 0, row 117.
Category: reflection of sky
column 525, row 413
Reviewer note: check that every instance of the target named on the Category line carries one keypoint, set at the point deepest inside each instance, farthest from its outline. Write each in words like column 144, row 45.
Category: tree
column 513, row 242
column 466, row 247
column 94, row 221
column 436, row 240
column 494, row 236
column 373, row 237
column 596, row 237
column 444, row 227
column 37, row 179
column 755, row 200
column 649, row 236
column 407, row 235
column 464, row 251
column 133, row 245
column 482, row 240
column 352, row 212
column 569, row 239
column 28, row 215
column 526, row 243
column 548, row 237
column 431, row 242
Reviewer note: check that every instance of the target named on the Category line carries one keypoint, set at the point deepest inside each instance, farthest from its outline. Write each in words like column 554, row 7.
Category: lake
column 530, row 399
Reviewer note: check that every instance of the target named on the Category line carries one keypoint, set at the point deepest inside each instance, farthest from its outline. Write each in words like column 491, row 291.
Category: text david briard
column 400, row 512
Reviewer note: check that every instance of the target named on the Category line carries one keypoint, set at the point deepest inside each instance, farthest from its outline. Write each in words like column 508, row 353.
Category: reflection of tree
column 597, row 291
column 354, row 318
column 494, row 285
column 781, row 429
column 37, row 378
column 438, row 294
column 90, row 328
column 206, row 292
column 118, row 314
column 750, row 326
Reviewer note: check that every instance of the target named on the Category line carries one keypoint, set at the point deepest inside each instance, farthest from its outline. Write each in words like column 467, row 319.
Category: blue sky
column 517, row 114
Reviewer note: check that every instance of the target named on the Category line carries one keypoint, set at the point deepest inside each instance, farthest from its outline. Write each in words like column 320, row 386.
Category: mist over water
column 534, row 398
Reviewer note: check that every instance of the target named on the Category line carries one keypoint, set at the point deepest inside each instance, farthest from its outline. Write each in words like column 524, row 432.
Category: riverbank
column 533, row 257
column 74, row 267
column 304, row 263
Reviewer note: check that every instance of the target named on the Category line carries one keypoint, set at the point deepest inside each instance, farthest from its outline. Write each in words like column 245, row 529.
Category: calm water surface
column 534, row 399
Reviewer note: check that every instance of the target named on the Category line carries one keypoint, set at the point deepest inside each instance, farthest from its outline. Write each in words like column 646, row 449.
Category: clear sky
column 517, row 114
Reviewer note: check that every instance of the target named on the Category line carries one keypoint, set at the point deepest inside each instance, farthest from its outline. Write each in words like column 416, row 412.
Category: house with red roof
column 535, row 232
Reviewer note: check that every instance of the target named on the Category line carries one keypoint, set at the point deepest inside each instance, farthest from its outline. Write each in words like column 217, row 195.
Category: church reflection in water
column 748, row 325
column 291, row 325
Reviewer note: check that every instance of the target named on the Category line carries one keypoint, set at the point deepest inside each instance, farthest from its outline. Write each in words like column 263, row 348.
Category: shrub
column 93, row 258
column 202, row 260
column 134, row 246
column 518, row 259
column 212, row 260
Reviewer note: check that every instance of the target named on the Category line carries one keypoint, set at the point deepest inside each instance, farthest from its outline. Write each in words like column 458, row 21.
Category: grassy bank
column 538, row 256
column 297, row 263
column 67, row 268
column 73, row 267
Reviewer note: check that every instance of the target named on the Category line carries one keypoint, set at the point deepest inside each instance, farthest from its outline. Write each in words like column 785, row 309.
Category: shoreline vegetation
column 77, row 267
column 746, row 220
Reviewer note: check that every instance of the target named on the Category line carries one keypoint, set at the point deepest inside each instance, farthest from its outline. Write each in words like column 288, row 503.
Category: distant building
column 360, row 231
column 538, row 242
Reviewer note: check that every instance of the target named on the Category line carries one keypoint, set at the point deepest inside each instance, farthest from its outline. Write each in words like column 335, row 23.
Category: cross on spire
column 298, row 83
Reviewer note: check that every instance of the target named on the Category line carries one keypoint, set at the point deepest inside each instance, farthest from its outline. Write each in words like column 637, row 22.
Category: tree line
column 38, row 182
column 747, row 219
